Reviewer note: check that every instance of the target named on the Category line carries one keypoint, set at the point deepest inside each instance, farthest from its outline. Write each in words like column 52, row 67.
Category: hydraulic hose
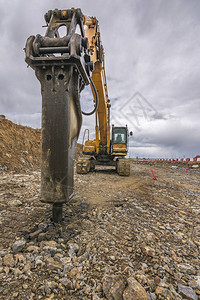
column 96, row 100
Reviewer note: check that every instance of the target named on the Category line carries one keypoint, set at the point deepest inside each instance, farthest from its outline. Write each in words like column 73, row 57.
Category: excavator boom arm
column 92, row 33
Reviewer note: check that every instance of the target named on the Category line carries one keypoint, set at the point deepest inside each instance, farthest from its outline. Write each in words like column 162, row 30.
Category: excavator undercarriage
column 86, row 165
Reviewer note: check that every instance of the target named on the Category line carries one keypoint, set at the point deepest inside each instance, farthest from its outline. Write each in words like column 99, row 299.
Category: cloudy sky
column 152, row 50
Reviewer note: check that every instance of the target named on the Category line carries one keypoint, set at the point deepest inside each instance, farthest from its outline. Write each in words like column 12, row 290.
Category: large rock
column 147, row 250
column 18, row 245
column 186, row 268
column 134, row 290
column 67, row 264
column 53, row 265
column 50, row 244
column 8, row 260
column 187, row 292
column 113, row 287
column 15, row 202
column 195, row 283
column 73, row 249
column 67, row 283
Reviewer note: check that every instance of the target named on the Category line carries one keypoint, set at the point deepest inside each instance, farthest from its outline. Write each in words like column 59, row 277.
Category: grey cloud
column 159, row 116
column 150, row 46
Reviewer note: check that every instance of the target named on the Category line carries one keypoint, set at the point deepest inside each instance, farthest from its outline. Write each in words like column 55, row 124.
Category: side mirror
column 131, row 133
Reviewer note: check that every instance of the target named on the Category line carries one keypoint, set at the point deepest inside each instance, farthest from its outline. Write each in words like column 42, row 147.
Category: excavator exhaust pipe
column 62, row 78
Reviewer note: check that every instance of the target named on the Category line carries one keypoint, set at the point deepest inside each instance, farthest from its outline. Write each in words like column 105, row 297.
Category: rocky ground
column 121, row 237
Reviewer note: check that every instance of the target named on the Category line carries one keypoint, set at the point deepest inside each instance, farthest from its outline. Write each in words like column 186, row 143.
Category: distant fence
column 193, row 159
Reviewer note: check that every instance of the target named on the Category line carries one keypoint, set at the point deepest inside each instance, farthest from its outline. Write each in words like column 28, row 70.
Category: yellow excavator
column 65, row 63
column 109, row 147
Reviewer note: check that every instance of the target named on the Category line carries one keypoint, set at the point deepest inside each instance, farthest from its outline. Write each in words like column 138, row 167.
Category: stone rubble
column 18, row 245
column 121, row 238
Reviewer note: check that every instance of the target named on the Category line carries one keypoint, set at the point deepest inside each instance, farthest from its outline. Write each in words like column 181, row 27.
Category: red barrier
column 153, row 175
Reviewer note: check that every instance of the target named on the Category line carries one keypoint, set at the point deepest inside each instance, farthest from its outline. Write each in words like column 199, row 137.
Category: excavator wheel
column 83, row 166
column 123, row 167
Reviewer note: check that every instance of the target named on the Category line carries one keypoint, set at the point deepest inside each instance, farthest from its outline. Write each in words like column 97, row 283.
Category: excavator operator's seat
column 119, row 138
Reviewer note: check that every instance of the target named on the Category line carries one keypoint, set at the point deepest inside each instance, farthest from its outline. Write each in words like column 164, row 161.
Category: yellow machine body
column 104, row 149
column 119, row 150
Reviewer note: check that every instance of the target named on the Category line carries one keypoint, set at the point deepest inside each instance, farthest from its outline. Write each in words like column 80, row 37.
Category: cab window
column 119, row 137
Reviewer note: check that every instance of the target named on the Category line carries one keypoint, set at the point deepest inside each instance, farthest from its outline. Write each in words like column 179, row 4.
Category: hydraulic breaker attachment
column 62, row 65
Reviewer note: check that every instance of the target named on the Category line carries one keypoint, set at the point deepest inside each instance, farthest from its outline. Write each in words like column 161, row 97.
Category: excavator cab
column 119, row 141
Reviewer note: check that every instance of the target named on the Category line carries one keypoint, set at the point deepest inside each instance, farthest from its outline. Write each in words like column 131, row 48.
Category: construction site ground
column 129, row 226
column 121, row 238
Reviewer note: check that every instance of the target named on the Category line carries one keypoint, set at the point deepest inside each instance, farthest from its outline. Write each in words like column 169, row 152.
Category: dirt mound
column 20, row 147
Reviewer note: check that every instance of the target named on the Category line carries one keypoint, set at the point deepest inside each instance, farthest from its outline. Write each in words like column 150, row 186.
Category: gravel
column 133, row 238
